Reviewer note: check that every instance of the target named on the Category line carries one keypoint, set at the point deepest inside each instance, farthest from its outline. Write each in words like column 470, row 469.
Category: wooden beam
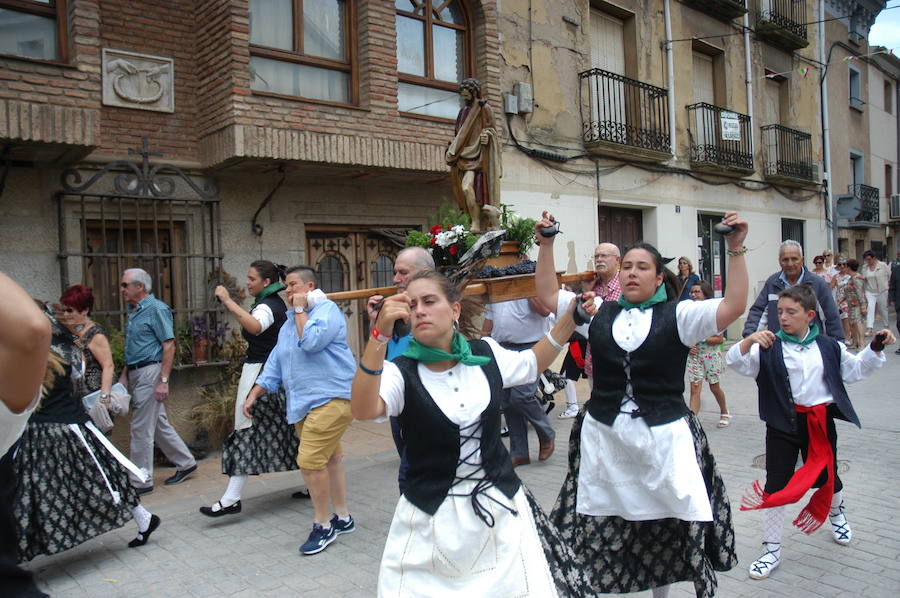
column 495, row 290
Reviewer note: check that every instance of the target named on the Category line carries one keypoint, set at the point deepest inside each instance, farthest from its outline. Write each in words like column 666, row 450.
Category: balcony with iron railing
column 866, row 198
column 626, row 118
column 782, row 23
column 721, row 140
column 787, row 156
column 723, row 9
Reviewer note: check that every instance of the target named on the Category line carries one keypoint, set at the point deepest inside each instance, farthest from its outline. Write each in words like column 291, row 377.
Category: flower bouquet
column 447, row 239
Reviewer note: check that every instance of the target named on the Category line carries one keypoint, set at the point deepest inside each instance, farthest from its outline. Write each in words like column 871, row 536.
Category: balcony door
column 772, row 89
column 609, row 96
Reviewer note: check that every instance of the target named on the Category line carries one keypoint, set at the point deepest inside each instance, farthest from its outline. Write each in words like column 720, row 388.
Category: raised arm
column 24, row 346
column 737, row 281
column 545, row 282
column 555, row 341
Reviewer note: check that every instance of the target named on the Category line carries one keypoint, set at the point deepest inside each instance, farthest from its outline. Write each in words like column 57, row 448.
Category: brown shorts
column 320, row 433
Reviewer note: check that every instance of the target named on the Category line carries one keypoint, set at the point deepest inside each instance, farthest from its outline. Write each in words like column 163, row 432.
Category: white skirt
column 454, row 553
column 640, row 472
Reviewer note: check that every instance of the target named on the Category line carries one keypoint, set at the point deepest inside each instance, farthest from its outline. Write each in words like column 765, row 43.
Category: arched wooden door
column 347, row 259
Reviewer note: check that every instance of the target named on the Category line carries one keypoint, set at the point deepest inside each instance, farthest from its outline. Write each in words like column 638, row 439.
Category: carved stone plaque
column 139, row 81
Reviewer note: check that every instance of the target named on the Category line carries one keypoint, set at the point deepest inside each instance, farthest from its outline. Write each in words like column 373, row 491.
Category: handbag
column 99, row 412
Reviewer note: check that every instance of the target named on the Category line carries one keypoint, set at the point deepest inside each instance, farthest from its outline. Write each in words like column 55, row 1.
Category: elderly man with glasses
column 149, row 353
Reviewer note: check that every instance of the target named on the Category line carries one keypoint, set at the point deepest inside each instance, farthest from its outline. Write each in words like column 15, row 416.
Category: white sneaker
column 840, row 528
column 762, row 567
column 571, row 411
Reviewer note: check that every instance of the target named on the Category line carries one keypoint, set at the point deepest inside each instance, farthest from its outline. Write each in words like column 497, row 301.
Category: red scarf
column 819, row 457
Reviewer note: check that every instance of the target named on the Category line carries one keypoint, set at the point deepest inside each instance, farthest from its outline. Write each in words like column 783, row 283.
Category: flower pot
column 200, row 349
column 509, row 255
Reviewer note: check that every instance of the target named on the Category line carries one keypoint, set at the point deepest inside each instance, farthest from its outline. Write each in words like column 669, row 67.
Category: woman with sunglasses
column 686, row 278
column 819, row 268
column 76, row 303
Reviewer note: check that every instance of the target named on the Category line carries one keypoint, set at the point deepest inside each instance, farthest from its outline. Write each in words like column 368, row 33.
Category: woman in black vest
column 465, row 523
column 643, row 505
column 264, row 443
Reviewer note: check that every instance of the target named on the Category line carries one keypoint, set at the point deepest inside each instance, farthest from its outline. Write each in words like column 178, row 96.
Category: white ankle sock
column 571, row 395
column 234, row 490
column 837, row 503
column 773, row 524
column 141, row 517
column 661, row 592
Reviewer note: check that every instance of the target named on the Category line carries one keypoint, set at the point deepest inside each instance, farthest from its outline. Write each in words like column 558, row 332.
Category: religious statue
column 474, row 159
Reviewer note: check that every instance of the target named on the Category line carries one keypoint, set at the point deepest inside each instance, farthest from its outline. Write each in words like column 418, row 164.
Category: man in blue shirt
column 149, row 353
column 409, row 262
column 314, row 365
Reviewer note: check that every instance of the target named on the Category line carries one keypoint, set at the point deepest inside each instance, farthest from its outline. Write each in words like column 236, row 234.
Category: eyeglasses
column 124, row 285
column 680, row 263
column 67, row 310
column 819, row 263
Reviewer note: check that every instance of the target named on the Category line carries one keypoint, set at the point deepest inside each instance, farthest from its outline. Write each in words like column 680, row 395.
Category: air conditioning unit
column 895, row 207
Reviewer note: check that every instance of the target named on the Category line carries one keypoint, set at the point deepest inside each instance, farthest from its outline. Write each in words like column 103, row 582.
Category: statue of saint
column 474, row 159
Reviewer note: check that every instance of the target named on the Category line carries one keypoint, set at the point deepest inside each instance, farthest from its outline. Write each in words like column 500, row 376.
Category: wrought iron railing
column 789, row 15
column 788, row 153
column 720, row 137
column 626, row 112
column 868, row 202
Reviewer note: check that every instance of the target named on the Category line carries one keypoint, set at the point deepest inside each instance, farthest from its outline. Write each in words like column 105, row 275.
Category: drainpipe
column 670, row 67
column 748, row 73
column 831, row 239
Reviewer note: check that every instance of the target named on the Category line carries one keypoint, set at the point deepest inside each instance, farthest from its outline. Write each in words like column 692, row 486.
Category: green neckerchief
column 810, row 337
column 269, row 290
column 460, row 351
column 659, row 296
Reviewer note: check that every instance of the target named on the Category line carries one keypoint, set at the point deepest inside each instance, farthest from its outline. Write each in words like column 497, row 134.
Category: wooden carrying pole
column 495, row 290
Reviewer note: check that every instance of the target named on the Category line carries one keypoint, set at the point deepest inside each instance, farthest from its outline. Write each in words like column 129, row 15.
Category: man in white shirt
column 517, row 325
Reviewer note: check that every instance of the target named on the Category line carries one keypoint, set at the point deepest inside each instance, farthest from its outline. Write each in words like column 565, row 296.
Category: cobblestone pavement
column 255, row 553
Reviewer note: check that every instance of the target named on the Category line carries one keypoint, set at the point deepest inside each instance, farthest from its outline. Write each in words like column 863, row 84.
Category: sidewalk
column 255, row 553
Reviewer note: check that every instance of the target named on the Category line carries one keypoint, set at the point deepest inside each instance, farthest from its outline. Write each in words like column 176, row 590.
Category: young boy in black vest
column 800, row 374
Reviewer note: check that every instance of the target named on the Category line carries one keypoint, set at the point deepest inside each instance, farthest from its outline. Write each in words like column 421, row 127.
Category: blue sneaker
column 342, row 527
column 319, row 539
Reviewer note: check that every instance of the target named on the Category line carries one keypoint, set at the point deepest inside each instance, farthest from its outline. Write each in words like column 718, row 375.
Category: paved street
column 255, row 553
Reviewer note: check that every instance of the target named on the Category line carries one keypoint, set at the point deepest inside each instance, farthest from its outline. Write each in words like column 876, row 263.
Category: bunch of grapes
column 523, row 267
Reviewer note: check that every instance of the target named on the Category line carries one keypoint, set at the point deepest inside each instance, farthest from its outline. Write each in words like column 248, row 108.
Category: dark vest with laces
column 433, row 441
column 657, row 368
column 260, row 345
column 776, row 402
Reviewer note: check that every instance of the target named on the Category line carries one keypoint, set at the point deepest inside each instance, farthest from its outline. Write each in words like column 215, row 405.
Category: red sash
column 819, row 457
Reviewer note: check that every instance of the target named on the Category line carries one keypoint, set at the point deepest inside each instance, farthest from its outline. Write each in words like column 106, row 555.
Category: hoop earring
column 456, row 325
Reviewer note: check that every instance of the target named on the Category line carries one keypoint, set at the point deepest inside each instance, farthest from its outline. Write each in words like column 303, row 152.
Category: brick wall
column 217, row 117
column 163, row 28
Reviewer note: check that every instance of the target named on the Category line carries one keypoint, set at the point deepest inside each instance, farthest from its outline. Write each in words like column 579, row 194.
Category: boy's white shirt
column 805, row 368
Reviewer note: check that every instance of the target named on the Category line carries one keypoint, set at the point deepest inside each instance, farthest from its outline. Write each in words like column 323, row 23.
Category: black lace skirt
column 620, row 556
column 269, row 445
column 62, row 498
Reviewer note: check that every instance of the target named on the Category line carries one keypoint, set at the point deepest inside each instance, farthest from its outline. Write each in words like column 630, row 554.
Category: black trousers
column 782, row 450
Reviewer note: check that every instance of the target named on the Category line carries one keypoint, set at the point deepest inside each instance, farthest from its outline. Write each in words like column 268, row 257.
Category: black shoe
column 141, row 491
column 142, row 537
column 897, row 351
column 229, row 510
column 180, row 476
column 300, row 494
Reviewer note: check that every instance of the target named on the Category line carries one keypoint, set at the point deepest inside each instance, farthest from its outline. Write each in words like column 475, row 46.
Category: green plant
column 215, row 411
column 517, row 229
column 116, row 340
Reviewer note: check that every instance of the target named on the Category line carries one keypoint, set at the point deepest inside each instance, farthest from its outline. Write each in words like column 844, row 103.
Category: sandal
column 724, row 420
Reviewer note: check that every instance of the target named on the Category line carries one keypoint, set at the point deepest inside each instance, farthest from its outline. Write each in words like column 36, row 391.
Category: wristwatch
column 164, row 380
column 299, row 310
